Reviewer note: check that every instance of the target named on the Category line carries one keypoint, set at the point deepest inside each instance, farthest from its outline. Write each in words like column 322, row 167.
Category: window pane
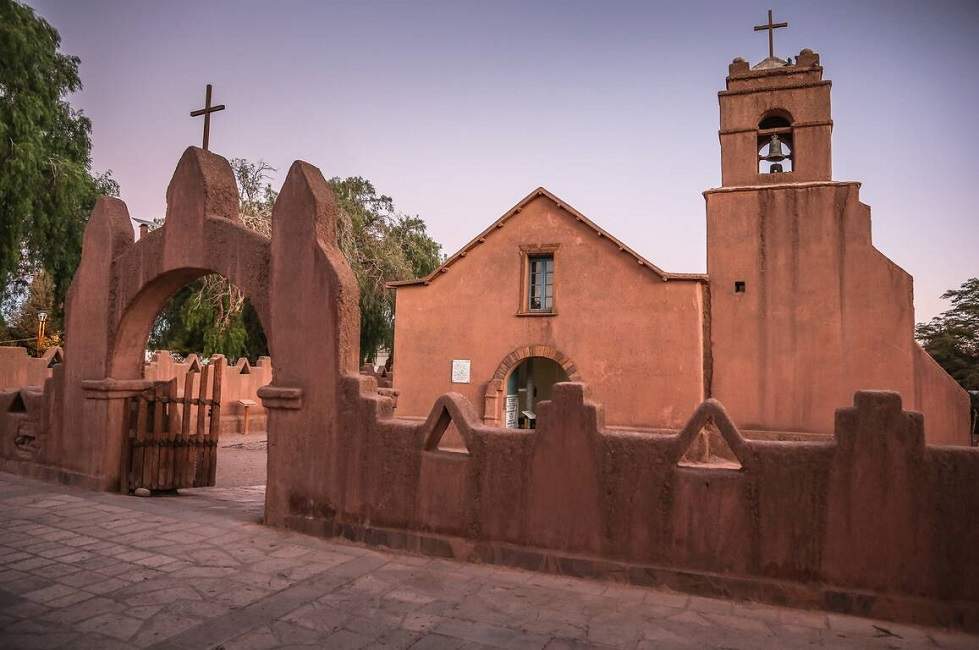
column 540, row 282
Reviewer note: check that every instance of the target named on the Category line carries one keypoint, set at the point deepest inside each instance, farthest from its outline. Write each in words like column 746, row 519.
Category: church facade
column 796, row 312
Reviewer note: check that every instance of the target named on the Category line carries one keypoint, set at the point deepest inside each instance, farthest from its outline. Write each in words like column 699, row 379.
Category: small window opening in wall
column 739, row 286
column 540, row 283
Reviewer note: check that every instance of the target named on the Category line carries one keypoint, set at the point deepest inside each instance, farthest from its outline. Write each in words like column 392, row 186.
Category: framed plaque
column 460, row 371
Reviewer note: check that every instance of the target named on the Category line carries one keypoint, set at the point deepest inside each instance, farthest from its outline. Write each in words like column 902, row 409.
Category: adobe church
column 796, row 312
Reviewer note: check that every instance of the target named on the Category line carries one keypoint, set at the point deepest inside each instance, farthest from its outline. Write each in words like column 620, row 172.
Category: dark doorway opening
column 529, row 383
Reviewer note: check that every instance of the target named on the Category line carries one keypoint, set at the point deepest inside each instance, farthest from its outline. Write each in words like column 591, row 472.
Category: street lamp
column 42, row 317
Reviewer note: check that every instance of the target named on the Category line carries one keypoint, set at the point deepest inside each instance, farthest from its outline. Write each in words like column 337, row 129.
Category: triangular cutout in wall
column 709, row 449
column 710, row 440
column 446, row 436
column 17, row 405
column 57, row 358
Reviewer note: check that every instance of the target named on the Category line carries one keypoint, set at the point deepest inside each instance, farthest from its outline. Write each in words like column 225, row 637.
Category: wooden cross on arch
column 206, row 112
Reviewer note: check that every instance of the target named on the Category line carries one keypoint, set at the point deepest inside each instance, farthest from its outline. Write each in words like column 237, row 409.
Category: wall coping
column 780, row 186
column 110, row 388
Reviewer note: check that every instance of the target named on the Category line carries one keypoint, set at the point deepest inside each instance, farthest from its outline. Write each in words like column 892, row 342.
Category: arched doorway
column 545, row 366
column 181, row 412
column 529, row 383
column 207, row 355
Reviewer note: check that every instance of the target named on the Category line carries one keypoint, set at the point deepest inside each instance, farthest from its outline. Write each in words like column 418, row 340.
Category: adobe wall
column 240, row 381
column 869, row 521
column 824, row 313
column 18, row 369
column 944, row 402
column 29, row 417
column 602, row 326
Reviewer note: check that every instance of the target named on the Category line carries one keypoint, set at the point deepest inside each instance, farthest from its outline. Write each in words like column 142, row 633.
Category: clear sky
column 458, row 109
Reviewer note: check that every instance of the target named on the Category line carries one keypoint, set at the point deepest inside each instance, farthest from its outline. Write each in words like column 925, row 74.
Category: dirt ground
column 242, row 460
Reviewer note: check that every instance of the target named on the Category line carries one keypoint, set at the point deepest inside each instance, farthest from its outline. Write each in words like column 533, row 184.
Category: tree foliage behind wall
column 381, row 246
column 211, row 315
column 952, row 337
column 22, row 326
column 47, row 188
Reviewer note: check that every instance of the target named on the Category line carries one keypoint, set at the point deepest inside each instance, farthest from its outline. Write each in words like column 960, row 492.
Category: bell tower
column 803, row 309
column 776, row 125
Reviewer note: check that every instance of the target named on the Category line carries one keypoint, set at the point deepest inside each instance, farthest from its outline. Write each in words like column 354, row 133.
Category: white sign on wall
column 460, row 371
column 510, row 412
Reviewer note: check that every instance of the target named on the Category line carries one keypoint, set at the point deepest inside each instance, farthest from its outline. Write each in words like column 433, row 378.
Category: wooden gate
column 172, row 439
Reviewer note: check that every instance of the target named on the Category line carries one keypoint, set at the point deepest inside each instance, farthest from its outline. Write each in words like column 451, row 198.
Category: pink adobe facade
column 600, row 330
column 797, row 311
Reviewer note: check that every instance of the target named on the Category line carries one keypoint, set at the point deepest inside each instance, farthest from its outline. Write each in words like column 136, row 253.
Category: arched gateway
column 301, row 288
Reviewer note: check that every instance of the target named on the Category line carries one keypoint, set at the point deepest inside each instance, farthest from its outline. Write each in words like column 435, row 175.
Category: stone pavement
column 92, row 570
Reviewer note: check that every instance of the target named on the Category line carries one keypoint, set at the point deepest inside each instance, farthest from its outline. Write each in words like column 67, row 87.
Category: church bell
column 775, row 155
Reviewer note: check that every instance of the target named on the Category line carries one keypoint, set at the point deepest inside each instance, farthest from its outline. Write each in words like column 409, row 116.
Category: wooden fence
column 171, row 441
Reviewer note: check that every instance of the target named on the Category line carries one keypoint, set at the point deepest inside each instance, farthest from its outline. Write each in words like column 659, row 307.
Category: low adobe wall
column 239, row 382
column 17, row 369
column 870, row 521
column 29, row 416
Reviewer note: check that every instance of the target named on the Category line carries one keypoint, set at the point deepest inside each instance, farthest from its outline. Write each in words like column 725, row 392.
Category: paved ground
column 242, row 460
column 90, row 570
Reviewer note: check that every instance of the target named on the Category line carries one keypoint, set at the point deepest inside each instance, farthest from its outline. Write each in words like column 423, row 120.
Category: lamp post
column 42, row 317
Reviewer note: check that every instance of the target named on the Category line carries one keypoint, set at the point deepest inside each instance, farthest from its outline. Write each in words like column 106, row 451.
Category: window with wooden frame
column 537, row 290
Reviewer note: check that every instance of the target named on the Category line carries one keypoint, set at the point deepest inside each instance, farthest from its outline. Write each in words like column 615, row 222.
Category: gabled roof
column 540, row 191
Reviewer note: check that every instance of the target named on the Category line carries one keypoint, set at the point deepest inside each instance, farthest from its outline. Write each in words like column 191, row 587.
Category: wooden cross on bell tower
column 771, row 27
column 206, row 112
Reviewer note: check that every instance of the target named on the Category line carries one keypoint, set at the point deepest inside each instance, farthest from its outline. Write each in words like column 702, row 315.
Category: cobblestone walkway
column 90, row 570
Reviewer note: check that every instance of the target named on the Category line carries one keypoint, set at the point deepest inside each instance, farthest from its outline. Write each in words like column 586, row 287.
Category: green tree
column 952, row 337
column 22, row 326
column 46, row 186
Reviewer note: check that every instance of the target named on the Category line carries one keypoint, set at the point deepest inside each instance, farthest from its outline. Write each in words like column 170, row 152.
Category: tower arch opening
column 776, row 147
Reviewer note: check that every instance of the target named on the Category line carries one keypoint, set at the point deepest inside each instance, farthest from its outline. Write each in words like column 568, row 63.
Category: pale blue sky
column 458, row 109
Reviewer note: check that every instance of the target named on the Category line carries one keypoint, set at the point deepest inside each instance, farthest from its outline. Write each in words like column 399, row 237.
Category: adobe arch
column 142, row 307
column 121, row 285
column 495, row 386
